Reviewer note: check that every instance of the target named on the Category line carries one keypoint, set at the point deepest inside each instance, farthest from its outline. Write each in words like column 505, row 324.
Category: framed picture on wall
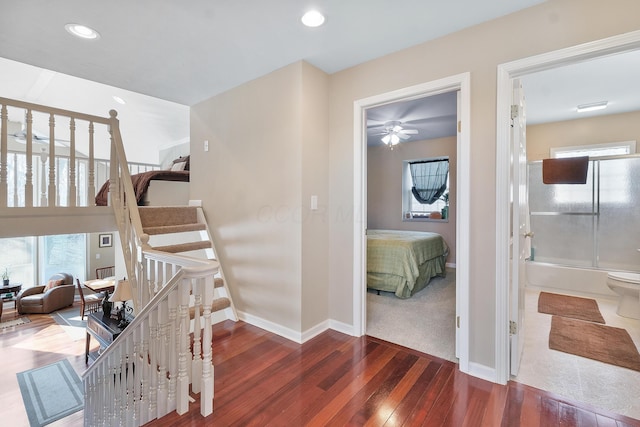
column 104, row 240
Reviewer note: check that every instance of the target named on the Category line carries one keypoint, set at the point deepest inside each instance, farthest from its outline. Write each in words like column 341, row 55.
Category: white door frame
column 459, row 82
column 506, row 72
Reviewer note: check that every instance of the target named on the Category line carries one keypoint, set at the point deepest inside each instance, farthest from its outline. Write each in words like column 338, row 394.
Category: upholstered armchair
column 56, row 294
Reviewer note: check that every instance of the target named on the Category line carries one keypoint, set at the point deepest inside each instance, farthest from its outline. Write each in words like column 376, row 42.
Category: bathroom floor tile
column 599, row 384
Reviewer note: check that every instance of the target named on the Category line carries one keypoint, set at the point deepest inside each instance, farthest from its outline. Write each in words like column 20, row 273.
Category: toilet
column 627, row 285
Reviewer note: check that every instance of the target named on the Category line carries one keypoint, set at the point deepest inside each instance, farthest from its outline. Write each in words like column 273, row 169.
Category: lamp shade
column 122, row 292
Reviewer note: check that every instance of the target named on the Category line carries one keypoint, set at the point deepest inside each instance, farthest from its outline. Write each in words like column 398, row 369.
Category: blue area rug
column 51, row 392
column 69, row 319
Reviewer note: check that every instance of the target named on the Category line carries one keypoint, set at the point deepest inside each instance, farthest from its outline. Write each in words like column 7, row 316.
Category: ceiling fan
column 394, row 132
column 38, row 138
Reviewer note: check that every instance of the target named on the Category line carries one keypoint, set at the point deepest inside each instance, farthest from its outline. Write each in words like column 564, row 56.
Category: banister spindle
column 3, row 158
column 52, row 190
column 73, row 196
column 91, row 190
column 28, row 185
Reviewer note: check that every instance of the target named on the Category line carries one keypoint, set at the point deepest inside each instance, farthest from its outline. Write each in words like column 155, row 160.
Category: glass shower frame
column 592, row 225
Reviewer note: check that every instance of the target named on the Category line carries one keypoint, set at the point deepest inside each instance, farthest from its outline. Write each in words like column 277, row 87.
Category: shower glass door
column 588, row 225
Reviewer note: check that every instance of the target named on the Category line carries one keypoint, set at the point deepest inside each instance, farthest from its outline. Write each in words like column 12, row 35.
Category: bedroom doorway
column 457, row 84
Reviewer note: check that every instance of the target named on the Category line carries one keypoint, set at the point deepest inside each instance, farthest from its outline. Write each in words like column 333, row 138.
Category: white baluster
column 163, row 320
column 173, row 351
column 91, row 189
column 206, row 394
column 28, row 186
column 183, row 378
column 145, row 373
column 4, row 187
column 154, row 347
column 72, row 199
column 196, row 366
column 53, row 164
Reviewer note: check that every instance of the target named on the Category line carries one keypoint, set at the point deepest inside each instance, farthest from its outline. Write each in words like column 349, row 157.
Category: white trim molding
column 461, row 83
column 505, row 73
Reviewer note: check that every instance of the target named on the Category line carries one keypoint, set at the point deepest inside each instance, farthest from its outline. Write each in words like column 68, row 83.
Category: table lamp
column 122, row 294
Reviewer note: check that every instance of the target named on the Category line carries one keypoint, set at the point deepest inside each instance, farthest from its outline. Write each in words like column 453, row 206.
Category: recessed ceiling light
column 118, row 100
column 592, row 107
column 82, row 31
column 313, row 18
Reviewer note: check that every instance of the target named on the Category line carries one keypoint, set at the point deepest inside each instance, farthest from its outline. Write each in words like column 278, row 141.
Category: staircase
column 163, row 359
column 183, row 230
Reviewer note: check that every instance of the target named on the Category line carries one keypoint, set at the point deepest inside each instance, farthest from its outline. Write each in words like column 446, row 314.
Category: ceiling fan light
column 395, row 139
column 386, row 139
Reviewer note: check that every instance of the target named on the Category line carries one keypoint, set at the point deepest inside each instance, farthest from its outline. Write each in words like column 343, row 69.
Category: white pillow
column 178, row 166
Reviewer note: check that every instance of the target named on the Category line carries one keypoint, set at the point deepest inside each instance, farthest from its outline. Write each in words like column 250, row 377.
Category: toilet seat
column 633, row 278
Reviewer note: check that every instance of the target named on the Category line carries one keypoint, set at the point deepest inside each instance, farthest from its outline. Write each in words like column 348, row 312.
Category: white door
column 520, row 235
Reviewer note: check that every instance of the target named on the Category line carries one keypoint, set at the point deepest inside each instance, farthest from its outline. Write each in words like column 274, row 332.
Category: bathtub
column 572, row 279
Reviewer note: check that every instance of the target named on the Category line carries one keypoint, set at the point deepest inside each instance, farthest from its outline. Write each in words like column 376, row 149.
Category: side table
column 104, row 329
column 12, row 289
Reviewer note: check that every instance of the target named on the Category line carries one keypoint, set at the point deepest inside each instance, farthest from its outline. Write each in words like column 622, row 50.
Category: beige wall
column 597, row 130
column 107, row 255
column 384, row 187
column 255, row 190
column 267, row 156
column 479, row 50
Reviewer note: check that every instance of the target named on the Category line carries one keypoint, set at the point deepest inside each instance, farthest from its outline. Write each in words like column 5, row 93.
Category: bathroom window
column 594, row 150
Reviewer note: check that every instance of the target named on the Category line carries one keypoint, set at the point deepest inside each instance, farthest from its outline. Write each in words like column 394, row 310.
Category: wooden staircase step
column 170, row 229
column 155, row 216
column 184, row 247
column 217, row 305
column 218, row 282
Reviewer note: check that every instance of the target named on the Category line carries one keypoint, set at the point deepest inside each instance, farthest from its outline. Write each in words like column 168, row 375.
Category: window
column 610, row 181
column 425, row 189
column 32, row 260
column 594, row 150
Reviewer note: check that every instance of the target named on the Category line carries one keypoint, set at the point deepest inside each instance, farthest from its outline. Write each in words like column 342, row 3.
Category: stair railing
column 146, row 372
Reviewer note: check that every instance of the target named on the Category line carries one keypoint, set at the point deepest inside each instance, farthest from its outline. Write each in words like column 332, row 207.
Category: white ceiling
column 188, row 51
column 551, row 96
column 163, row 56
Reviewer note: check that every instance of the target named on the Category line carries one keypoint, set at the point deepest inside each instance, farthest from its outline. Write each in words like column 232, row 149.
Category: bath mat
column 568, row 306
column 599, row 342
column 51, row 392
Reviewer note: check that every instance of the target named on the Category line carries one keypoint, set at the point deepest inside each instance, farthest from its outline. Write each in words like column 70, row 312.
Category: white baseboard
column 292, row 335
column 270, row 326
column 342, row 327
column 482, row 372
column 450, row 264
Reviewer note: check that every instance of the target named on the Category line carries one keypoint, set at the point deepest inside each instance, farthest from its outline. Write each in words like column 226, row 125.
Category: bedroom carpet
column 424, row 322
column 599, row 342
column 569, row 306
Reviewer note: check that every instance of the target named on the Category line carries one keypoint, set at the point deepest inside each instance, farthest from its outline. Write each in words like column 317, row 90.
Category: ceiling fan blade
column 402, row 135
column 409, row 131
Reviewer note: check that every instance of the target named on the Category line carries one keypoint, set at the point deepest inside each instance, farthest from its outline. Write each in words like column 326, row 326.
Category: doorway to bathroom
column 581, row 379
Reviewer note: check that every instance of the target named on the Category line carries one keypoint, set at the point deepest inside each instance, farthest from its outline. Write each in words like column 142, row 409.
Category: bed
column 142, row 182
column 403, row 262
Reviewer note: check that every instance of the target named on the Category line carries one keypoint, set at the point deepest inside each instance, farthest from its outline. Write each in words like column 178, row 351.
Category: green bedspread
column 397, row 261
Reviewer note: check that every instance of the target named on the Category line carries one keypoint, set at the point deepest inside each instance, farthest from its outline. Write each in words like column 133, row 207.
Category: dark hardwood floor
column 262, row 379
